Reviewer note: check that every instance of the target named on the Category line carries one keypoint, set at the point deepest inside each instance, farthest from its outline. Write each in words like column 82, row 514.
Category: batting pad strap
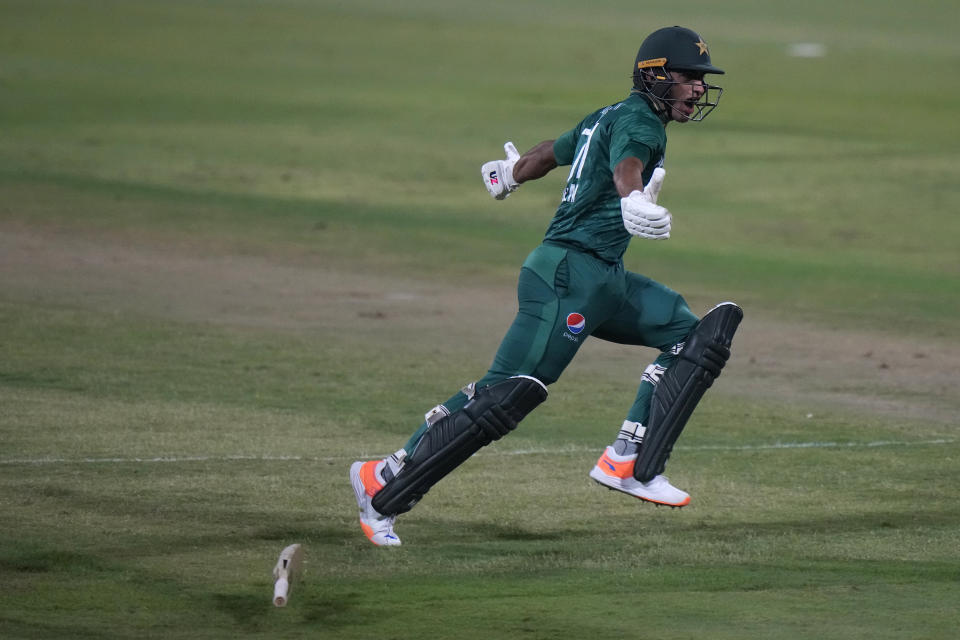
column 681, row 387
column 436, row 414
column 653, row 373
column 632, row 431
column 492, row 413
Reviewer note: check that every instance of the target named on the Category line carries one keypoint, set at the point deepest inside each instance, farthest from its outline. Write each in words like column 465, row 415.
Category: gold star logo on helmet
column 702, row 46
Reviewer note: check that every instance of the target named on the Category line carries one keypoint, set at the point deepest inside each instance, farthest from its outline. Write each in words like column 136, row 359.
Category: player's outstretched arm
column 535, row 163
column 503, row 177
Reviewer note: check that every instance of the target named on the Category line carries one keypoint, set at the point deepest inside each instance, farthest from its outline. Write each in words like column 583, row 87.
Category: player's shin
column 681, row 386
column 453, row 437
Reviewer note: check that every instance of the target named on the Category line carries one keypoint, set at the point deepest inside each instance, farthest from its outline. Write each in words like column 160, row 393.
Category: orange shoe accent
column 613, row 468
column 684, row 503
column 368, row 475
column 367, row 530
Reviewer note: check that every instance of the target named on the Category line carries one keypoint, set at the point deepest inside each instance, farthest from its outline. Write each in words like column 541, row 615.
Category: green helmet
column 674, row 49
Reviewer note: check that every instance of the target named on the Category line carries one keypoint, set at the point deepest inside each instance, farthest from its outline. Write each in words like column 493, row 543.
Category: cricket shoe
column 616, row 472
column 366, row 483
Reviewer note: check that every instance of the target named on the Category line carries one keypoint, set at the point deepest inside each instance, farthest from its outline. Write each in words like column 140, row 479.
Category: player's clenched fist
column 498, row 174
column 642, row 216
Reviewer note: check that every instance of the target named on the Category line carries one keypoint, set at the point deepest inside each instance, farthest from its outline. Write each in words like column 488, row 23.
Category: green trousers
column 565, row 296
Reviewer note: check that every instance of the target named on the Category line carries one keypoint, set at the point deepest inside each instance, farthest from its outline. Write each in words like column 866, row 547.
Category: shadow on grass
column 248, row 610
column 495, row 531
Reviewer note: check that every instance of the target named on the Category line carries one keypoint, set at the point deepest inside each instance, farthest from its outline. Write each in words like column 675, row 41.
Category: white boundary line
column 514, row 452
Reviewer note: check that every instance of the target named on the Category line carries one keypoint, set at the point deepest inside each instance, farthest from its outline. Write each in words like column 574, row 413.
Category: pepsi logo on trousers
column 575, row 323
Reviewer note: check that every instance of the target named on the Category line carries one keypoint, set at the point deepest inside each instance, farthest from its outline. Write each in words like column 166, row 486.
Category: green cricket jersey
column 589, row 218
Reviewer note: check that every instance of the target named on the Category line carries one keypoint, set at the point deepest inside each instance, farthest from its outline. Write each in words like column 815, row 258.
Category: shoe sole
column 614, row 484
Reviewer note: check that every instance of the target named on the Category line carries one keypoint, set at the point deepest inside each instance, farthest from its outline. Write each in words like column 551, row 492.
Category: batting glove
column 642, row 216
column 498, row 174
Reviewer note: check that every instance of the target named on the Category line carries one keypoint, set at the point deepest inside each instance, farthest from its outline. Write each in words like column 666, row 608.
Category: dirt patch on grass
column 909, row 377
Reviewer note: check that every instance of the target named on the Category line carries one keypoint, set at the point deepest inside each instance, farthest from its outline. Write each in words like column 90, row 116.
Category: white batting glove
column 642, row 216
column 498, row 174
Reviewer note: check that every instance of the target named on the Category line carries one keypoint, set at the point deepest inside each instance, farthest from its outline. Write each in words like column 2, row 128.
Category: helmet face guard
column 658, row 82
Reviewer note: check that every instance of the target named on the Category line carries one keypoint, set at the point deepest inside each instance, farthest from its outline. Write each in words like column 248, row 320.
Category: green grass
column 243, row 244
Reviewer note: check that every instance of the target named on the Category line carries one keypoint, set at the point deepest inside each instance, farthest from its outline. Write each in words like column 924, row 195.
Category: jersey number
column 573, row 180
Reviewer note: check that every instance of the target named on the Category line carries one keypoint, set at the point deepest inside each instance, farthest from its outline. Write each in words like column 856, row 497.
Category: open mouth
column 684, row 109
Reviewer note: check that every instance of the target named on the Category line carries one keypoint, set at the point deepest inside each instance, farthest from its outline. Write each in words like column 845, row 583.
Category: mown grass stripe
column 513, row 452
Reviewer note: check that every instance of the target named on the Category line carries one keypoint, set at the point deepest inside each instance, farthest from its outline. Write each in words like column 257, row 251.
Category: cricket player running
column 574, row 285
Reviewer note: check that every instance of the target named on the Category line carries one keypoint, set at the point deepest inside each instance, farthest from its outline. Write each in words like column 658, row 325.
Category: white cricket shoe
column 616, row 472
column 366, row 483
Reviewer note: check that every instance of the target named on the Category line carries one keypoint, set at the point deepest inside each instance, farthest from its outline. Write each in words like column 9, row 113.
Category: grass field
column 243, row 244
